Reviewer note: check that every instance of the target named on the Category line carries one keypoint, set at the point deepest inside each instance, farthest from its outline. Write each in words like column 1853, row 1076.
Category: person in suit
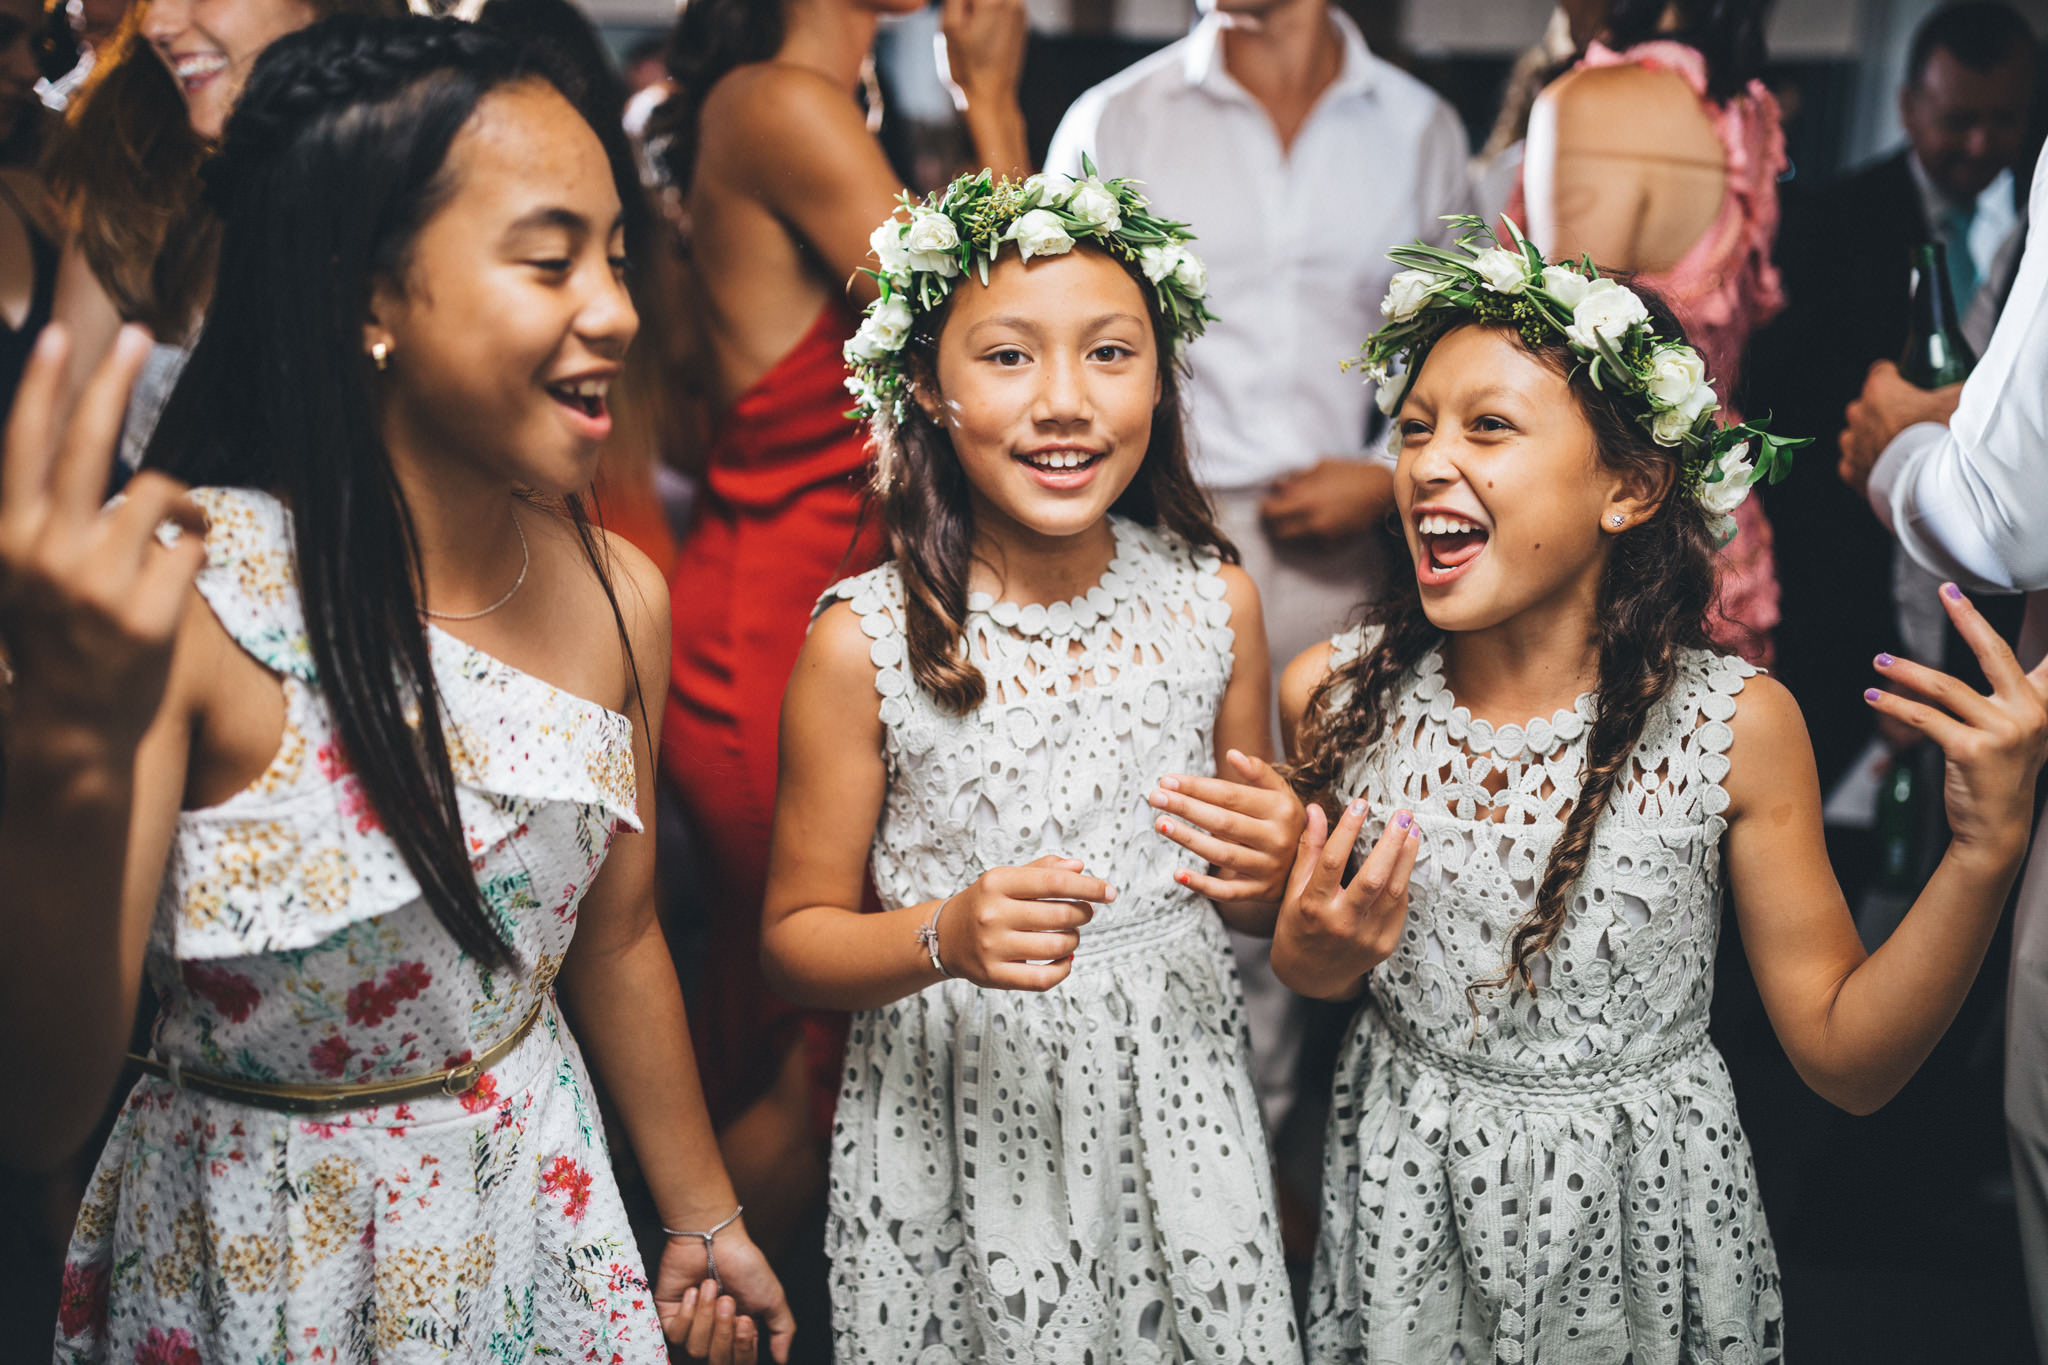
column 1843, row 253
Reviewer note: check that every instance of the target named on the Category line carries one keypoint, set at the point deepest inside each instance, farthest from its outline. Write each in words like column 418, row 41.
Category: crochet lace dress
column 1564, row 1179
column 291, row 944
column 1078, row 1175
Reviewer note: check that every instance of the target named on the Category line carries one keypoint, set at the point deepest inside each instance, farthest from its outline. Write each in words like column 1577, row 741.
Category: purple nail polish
column 1403, row 819
column 1357, row 808
column 1885, row 661
column 1872, row 694
column 1952, row 592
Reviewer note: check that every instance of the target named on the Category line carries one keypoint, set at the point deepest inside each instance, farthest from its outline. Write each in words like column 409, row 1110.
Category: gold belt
column 328, row 1099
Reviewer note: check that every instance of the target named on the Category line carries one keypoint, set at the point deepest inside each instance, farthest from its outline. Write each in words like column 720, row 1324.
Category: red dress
column 774, row 527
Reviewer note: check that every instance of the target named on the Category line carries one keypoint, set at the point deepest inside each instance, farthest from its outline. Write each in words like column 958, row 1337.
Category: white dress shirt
column 1970, row 500
column 1295, row 241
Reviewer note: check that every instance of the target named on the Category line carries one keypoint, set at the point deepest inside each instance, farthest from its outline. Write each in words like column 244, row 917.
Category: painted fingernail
column 1181, row 877
column 1108, row 894
column 1356, row 808
column 1164, row 826
column 1885, row 661
column 1872, row 694
column 1404, row 819
column 1952, row 592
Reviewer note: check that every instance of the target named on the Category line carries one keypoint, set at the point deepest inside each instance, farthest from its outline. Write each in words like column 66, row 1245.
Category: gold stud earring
column 380, row 356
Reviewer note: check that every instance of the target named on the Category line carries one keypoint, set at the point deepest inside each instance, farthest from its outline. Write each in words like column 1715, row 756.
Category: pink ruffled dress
column 1723, row 289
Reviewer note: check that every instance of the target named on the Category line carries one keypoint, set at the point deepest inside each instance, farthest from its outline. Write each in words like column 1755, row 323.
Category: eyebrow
column 555, row 216
column 1027, row 325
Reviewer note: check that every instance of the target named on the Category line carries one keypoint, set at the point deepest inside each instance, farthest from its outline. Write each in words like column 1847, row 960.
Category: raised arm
column 91, row 609
column 1856, row 1026
column 1014, row 928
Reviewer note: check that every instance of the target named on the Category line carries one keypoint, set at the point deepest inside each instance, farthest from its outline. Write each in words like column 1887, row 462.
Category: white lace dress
column 1564, row 1181
column 1079, row 1175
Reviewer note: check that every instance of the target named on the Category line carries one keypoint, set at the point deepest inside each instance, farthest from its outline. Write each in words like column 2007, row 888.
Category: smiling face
column 1968, row 125
column 209, row 46
column 1047, row 381
column 1504, row 500
column 513, row 317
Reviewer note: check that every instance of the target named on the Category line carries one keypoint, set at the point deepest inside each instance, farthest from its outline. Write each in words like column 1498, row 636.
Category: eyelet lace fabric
column 1079, row 1175
column 1562, row 1179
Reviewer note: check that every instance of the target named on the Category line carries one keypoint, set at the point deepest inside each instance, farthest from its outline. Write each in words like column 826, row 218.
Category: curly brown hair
column 1654, row 598
column 921, row 495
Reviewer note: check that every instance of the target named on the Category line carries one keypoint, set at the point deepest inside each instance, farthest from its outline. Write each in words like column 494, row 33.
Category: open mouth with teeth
column 1450, row 544
column 586, row 396
column 1061, row 468
column 196, row 69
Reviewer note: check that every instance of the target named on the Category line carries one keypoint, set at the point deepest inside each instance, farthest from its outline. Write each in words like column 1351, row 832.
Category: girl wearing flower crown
column 1047, row 1145
column 1533, row 1149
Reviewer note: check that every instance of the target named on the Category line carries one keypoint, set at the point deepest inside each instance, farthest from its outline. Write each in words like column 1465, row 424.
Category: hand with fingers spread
column 1332, row 933
column 1994, row 744
column 90, row 599
column 724, row 1323
column 1016, row 928
column 1246, row 830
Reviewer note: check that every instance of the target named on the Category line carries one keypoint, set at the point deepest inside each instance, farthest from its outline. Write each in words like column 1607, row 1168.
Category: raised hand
column 1330, row 934
column 90, row 600
column 981, row 49
column 1246, row 830
column 1994, row 744
column 1016, row 928
column 724, row 1328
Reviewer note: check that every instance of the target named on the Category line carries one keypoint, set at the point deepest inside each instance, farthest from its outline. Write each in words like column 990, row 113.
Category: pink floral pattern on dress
column 291, row 945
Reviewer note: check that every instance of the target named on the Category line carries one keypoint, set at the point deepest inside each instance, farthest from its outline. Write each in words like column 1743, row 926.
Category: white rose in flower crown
column 931, row 242
column 1386, row 394
column 1506, row 271
column 1051, row 187
column 1406, row 293
column 1607, row 310
column 1040, row 233
column 1675, row 371
column 1731, row 490
column 886, row 242
column 1669, row 426
column 886, row 328
column 1158, row 261
column 1190, row 274
column 1565, row 284
column 1094, row 204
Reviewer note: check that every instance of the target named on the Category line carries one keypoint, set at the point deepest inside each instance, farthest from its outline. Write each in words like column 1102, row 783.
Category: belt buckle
column 460, row 1080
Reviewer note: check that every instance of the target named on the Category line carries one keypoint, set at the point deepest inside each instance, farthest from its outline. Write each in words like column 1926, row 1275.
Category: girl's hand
column 89, row 600
column 1994, row 745
column 1016, row 928
column 1349, row 930
column 719, row 1327
column 1247, row 831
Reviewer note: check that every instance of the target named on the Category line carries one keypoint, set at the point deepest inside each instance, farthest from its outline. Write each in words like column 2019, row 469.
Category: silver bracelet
column 928, row 937
column 711, row 1257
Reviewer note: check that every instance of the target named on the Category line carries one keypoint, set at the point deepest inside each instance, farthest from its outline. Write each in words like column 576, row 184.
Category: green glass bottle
column 1898, row 825
column 1936, row 354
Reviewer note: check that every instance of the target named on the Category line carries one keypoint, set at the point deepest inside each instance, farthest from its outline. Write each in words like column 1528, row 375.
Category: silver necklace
column 525, row 562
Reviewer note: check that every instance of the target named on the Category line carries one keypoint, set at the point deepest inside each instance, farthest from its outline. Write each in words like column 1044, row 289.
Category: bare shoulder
column 838, row 651
column 1304, row 673
column 1626, row 107
column 1240, row 592
column 636, row 583
column 1770, row 751
column 777, row 105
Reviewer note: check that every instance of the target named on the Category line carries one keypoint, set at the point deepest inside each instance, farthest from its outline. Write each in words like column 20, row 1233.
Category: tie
column 1962, row 267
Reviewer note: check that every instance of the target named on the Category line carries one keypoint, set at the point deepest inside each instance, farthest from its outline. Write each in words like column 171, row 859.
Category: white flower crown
column 922, row 250
column 1605, row 324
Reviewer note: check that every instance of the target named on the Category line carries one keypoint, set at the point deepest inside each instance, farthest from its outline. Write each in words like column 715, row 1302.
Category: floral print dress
column 292, row 945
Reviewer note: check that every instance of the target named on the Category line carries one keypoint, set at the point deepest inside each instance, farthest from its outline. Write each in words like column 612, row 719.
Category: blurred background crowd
column 1835, row 137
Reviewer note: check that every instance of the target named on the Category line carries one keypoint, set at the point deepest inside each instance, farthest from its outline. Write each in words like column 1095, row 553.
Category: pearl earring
column 380, row 355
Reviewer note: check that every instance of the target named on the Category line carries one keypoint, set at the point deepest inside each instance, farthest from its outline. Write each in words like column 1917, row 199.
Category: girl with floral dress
column 1533, row 1150
column 1046, row 1146
column 354, row 767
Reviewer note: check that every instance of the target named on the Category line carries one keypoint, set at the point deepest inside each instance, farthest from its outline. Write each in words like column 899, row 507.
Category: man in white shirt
column 1961, row 477
column 1299, row 158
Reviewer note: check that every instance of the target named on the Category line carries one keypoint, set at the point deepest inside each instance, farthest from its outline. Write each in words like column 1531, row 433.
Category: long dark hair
column 1653, row 602
column 711, row 38
column 1728, row 33
column 332, row 162
column 921, row 494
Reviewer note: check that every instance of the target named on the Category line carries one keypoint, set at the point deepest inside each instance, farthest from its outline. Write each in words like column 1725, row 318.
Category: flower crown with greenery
column 1604, row 323
column 923, row 250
